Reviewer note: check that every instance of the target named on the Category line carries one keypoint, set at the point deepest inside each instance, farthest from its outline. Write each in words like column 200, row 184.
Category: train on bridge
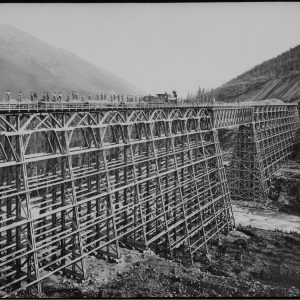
column 161, row 98
column 103, row 100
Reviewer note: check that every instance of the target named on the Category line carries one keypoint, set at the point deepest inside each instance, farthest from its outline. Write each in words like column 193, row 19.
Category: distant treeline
column 253, row 83
column 284, row 63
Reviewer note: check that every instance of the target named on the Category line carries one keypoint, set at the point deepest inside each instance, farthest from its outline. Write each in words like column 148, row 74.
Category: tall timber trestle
column 261, row 148
column 76, row 180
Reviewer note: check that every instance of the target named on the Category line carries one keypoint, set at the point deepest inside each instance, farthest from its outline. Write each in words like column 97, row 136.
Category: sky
column 162, row 47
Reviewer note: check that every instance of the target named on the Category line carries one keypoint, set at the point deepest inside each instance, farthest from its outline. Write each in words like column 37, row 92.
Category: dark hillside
column 278, row 78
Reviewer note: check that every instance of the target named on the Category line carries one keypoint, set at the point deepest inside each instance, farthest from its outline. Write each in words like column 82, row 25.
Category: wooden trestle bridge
column 77, row 179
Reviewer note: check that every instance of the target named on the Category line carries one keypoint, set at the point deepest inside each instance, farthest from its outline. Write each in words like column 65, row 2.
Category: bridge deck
column 97, row 105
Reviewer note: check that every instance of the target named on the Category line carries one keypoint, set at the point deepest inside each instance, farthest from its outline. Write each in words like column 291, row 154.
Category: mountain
column 26, row 64
column 278, row 78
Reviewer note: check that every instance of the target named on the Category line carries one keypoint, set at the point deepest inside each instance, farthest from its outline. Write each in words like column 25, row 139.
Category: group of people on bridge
column 74, row 96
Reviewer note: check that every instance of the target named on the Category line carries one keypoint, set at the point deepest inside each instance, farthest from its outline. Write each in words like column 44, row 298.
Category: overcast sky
column 161, row 47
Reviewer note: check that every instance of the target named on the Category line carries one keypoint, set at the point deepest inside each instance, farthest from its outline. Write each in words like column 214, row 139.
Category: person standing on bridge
column 59, row 98
column 44, row 97
column 76, row 95
column 47, row 96
column 31, row 96
column 7, row 95
column 54, row 97
column 35, row 96
column 20, row 96
column 68, row 97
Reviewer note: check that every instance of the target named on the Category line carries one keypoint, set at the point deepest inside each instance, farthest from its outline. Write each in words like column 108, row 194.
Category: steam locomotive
column 161, row 98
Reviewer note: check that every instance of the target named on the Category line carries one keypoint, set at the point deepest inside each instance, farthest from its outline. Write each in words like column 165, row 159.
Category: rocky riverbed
column 248, row 262
column 269, row 219
column 285, row 189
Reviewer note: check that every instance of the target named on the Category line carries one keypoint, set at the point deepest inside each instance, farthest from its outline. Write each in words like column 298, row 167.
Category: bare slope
column 248, row 262
column 26, row 63
column 278, row 77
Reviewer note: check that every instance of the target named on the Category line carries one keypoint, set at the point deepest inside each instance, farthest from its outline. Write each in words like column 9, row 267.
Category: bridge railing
column 90, row 105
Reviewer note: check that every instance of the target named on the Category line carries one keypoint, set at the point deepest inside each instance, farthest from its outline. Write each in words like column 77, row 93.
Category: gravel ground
column 249, row 262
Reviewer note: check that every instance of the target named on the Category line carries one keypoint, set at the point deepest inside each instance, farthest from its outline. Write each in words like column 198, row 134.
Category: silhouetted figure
column 54, row 97
column 35, row 96
column 31, row 96
column 20, row 96
column 59, row 98
column 175, row 94
column 76, row 95
column 68, row 97
column 44, row 97
column 7, row 95
column 47, row 97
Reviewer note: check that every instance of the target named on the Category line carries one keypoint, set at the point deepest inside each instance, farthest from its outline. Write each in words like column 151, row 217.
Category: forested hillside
column 278, row 78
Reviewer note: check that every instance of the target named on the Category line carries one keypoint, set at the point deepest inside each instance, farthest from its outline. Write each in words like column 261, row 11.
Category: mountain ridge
column 31, row 64
column 278, row 77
